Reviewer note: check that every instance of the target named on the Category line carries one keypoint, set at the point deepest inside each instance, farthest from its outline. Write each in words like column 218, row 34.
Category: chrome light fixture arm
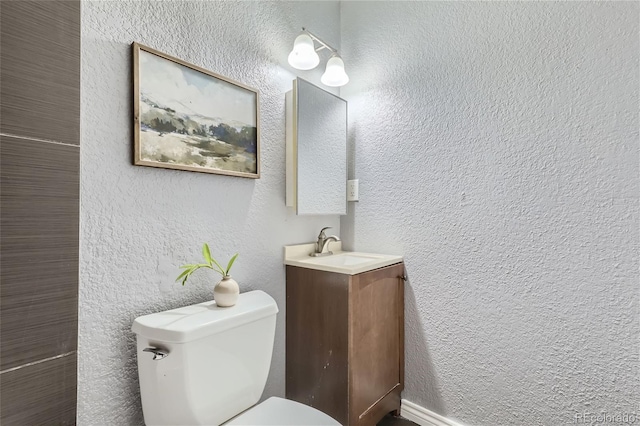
column 322, row 44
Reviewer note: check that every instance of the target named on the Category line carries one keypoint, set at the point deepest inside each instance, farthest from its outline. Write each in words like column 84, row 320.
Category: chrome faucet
column 322, row 242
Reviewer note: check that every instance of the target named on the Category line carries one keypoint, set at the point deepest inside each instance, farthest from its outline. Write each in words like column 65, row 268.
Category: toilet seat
column 278, row 411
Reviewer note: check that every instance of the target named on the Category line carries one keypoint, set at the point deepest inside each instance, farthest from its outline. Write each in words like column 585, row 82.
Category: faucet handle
column 321, row 234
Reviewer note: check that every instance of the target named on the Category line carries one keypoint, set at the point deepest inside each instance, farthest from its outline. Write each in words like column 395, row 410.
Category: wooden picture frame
column 188, row 118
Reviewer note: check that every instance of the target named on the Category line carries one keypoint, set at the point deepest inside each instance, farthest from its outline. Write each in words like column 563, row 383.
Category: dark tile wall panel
column 40, row 64
column 40, row 394
column 39, row 250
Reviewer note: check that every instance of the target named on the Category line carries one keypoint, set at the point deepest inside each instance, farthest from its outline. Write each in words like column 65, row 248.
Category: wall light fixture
column 304, row 56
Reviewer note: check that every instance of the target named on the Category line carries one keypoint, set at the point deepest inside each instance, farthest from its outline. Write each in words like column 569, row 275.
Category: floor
column 389, row 420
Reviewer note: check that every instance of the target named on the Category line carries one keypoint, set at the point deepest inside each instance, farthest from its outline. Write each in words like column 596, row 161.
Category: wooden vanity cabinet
column 345, row 342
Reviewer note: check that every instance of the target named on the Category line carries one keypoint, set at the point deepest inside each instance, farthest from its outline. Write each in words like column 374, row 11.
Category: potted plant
column 226, row 291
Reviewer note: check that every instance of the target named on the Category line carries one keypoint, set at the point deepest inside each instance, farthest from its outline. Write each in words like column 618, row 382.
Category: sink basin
column 344, row 262
column 343, row 259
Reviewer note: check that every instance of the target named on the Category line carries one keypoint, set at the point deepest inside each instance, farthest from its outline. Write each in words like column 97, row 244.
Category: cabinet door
column 317, row 340
column 376, row 342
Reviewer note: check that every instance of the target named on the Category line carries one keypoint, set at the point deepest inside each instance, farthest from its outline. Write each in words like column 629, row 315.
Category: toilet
column 208, row 365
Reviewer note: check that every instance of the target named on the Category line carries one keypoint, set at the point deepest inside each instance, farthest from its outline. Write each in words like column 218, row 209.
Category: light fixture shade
column 334, row 75
column 303, row 56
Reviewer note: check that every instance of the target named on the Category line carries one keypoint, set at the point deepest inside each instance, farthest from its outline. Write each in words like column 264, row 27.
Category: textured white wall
column 138, row 224
column 497, row 148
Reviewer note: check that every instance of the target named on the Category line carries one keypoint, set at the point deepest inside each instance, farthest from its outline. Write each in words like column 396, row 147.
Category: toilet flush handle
column 158, row 353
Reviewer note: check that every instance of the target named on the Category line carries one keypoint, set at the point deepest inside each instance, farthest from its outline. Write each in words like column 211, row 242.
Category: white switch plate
column 352, row 190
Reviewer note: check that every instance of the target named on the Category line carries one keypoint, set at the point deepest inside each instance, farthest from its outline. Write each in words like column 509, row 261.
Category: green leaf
column 220, row 270
column 206, row 253
column 184, row 280
column 230, row 264
column 189, row 268
column 191, row 271
column 185, row 272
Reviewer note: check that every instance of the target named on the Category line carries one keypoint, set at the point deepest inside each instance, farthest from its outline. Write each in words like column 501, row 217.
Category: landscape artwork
column 188, row 118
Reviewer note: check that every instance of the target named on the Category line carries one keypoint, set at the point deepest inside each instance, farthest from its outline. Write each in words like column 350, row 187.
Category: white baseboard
column 422, row 416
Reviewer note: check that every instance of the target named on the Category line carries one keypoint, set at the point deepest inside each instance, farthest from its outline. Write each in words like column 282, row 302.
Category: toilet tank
column 217, row 364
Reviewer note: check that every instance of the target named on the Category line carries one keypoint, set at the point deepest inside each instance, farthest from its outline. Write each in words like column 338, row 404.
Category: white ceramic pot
column 226, row 292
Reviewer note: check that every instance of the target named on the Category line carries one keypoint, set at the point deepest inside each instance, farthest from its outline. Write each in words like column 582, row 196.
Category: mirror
column 316, row 150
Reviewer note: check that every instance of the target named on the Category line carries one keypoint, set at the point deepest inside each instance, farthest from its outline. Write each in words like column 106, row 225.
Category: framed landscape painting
column 188, row 118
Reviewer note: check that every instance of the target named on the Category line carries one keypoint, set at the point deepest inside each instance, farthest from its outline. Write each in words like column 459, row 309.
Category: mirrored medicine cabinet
column 316, row 150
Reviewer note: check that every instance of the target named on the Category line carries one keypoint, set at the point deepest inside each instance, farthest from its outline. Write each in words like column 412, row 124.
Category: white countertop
column 342, row 262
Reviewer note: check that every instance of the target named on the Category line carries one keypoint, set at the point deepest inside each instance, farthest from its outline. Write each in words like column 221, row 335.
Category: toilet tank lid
column 204, row 319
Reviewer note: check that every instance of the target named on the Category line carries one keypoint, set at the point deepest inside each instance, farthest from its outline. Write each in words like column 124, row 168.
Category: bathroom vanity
column 345, row 334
